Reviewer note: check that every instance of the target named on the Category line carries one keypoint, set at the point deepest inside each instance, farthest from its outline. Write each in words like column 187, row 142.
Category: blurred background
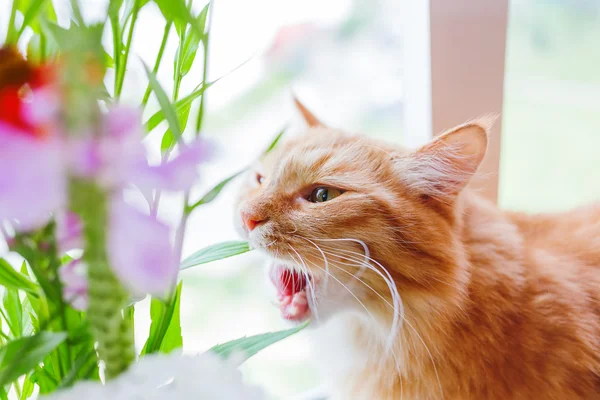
column 344, row 58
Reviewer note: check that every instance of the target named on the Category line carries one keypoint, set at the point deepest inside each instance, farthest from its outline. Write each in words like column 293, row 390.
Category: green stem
column 42, row 47
column 11, row 22
column 163, row 44
column 77, row 13
column 123, row 67
column 205, row 41
column 107, row 296
column 116, row 34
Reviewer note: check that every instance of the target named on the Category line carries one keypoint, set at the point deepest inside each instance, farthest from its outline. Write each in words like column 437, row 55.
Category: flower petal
column 140, row 251
column 123, row 122
column 75, row 286
column 68, row 231
column 178, row 174
column 32, row 178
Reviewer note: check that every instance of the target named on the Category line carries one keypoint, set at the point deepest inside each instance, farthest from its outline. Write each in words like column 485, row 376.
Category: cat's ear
column 308, row 116
column 443, row 167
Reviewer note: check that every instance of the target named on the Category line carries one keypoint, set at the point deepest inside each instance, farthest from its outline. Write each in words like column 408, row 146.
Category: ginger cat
column 417, row 287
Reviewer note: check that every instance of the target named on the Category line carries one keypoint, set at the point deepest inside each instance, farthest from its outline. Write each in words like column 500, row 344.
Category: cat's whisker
column 378, row 294
column 349, row 291
column 413, row 329
column 397, row 300
column 326, row 280
column 311, row 288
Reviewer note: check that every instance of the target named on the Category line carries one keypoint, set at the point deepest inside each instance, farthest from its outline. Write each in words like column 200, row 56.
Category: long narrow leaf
column 275, row 141
column 21, row 355
column 215, row 252
column 162, row 316
column 159, row 116
column 166, row 106
column 14, row 312
column 173, row 338
column 12, row 279
column 214, row 192
column 246, row 347
column 30, row 14
column 180, row 105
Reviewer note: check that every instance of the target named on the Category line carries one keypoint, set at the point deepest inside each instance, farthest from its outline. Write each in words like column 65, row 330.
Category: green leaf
column 34, row 49
column 249, row 346
column 167, row 108
column 12, row 279
column 21, row 355
column 275, row 141
column 27, row 389
column 81, row 360
column 190, row 47
column 214, row 192
column 177, row 12
column 169, row 140
column 113, row 8
column 44, row 380
column 162, row 315
column 193, row 37
column 14, row 312
column 108, row 61
column 215, row 252
column 180, row 107
column 173, row 339
column 29, row 18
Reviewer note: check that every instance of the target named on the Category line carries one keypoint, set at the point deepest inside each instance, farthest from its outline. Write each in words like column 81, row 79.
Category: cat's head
column 353, row 224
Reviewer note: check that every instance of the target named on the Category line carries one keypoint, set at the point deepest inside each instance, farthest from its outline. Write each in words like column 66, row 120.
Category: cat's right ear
column 442, row 168
column 308, row 116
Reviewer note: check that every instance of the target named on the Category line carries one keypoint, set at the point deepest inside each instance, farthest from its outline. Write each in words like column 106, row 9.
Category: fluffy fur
column 420, row 289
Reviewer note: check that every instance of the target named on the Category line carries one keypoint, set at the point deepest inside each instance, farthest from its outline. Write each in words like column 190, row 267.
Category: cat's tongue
column 291, row 293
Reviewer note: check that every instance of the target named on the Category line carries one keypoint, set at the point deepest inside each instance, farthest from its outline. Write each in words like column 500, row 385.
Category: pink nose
column 252, row 221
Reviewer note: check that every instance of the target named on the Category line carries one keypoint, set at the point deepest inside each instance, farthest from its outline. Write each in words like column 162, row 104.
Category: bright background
column 344, row 59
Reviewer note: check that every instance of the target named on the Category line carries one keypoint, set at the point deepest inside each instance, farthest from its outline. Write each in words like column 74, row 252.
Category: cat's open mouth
column 291, row 292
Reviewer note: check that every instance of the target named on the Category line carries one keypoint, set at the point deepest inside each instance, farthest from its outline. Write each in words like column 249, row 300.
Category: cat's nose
column 252, row 220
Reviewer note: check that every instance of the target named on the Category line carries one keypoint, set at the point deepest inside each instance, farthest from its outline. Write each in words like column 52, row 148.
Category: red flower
column 18, row 79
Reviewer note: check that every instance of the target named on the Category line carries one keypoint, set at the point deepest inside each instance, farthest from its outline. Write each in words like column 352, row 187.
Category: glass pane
column 551, row 125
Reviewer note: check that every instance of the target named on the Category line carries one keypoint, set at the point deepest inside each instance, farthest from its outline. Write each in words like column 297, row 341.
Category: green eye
column 323, row 194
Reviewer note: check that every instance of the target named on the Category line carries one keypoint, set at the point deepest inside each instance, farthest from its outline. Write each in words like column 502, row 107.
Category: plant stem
column 77, row 13
column 116, row 34
column 205, row 42
column 163, row 44
column 175, row 95
column 180, row 234
column 11, row 22
column 42, row 47
column 107, row 296
column 123, row 68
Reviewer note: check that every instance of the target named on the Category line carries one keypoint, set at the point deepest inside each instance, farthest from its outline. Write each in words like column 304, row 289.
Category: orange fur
column 496, row 305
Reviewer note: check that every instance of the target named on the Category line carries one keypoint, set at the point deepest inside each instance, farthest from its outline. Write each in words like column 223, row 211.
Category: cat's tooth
column 292, row 310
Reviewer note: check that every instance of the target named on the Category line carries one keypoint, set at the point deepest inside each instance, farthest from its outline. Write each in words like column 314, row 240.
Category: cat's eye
column 323, row 194
column 260, row 179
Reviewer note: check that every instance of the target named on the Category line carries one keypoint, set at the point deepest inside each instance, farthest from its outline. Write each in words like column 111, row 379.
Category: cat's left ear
column 308, row 116
column 443, row 167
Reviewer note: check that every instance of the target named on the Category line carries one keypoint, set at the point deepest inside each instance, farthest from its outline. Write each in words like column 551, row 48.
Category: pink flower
column 74, row 280
column 140, row 251
column 37, row 159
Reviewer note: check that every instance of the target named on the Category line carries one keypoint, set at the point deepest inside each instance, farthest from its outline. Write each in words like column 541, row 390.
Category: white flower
column 169, row 376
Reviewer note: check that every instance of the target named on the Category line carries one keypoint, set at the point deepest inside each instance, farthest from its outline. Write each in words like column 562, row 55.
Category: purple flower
column 68, row 231
column 34, row 185
column 140, row 251
column 75, row 287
